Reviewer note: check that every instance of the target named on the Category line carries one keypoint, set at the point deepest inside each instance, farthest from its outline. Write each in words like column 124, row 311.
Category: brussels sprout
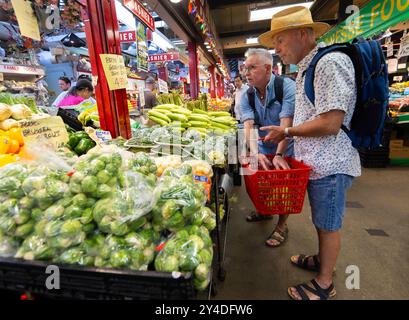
column 192, row 207
column 138, row 223
column 112, row 182
column 44, row 204
column 89, row 184
column 119, row 228
column 22, row 216
column 111, row 169
column 117, row 160
column 70, row 228
column 54, row 212
column 198, row 242
column 96, row 166
column 87, row 261
column 42, row 195
column 193, row 230
column 135, row 240
column 206, row 257
column 26, row 203
column 73, row 212
column 37, row 214
column 19, row 193
column 201, row 285
column 71, row 256
column 169, row 209
column 120, row 258
column 80, row 200
column 210, row 224
column 93, row 245
column 175, row 222
column 7, row 225
column 202, row 272
column 66, row 201
column 90, row 202
column 100, row 262
column 188, row 262
column 105, row 224
column 103, row 176
column 40, row 227
column 77, row 177
column 56, row 189
column 87, row 216
column 121, row 180
column 52, row 228
column 183, row 235
column 88, row 228
column 149, row 255
column 101, row 208
column 8, row 184
column 103, row 191
column 167, row 264
column 8, row 246
column 75, row 187
column 105, row 158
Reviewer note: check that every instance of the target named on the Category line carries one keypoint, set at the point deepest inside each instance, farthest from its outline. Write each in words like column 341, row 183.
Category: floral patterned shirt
column 335, row 89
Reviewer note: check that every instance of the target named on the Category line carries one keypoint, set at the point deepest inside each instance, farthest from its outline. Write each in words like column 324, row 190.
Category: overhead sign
column 138, row 9
column 115, row 71
column 51, row 131
column 127, row 36
column 27, row 20
column 163, row 86
column 164, row 57
column 5, row 68
column 376, row 16
column 142, row 48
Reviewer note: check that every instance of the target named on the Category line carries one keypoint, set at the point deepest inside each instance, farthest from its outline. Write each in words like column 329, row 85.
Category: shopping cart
column 277, row 191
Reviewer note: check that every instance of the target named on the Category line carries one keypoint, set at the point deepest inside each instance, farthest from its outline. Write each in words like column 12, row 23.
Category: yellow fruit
column 15, row 133
column 14, row 146
column 6, row 159
column 4, row 144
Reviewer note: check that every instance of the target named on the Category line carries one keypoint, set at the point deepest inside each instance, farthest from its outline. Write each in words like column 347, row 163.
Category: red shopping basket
column 278, row 191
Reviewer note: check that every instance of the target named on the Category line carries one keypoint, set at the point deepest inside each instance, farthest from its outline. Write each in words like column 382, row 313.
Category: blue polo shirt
column 270, row 113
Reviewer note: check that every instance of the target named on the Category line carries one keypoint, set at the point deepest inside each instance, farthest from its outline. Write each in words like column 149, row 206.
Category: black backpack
column 278, row 90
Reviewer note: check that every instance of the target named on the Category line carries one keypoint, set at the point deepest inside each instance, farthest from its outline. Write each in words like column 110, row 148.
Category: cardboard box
column 396, row 143
column 399, row 153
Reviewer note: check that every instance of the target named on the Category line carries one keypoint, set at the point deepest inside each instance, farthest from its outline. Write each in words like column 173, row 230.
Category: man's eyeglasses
column 250, row 68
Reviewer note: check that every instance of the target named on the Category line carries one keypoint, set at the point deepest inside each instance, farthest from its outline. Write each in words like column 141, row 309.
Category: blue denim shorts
column 327, row 199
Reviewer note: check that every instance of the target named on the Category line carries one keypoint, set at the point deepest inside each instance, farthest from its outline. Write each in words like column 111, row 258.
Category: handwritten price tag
column 115, row 71
column 50, row 131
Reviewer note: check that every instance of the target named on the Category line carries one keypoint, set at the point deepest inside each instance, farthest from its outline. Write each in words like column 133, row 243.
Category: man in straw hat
column 319, row 142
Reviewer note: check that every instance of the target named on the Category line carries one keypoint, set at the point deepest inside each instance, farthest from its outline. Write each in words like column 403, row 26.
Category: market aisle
column 255, row 271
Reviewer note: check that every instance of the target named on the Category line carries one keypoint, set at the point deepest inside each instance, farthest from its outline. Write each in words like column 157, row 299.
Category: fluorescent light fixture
column 266, row 14
column 160, row 24
column 208, row 47
column 161, row 41
column 272, row 51
column 251, row 41
column 206, row 43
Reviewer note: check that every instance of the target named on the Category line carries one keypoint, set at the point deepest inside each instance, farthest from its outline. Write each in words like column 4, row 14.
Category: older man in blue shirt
column 267, row 110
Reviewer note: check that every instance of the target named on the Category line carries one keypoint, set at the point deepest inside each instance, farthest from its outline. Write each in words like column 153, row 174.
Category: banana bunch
column 89, row 114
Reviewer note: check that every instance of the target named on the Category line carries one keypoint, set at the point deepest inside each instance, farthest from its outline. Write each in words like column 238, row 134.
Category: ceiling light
column 251, row 40
column 266, row 14
column 208, row 47
column 175, row 1
column 206, row 43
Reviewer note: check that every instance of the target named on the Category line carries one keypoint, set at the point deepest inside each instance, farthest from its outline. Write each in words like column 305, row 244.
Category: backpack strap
column 279, row 88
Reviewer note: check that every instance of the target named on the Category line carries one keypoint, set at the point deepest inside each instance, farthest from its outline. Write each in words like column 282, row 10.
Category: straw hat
column 292, row 18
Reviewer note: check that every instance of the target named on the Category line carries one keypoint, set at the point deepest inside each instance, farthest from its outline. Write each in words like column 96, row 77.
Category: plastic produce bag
column 8, row 246
column 188, row 250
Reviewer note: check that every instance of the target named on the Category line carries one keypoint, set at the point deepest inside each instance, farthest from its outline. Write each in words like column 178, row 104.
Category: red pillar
column 212, row 82
column 219, row 86
column 101, row 28
column 193, row 70
column 222, row 86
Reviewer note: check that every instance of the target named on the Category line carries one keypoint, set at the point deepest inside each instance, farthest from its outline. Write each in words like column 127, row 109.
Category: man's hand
column 280, row 163
column 264, row 162
column 275, row 135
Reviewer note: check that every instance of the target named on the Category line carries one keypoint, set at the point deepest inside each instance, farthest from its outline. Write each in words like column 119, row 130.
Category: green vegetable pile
column 80, row 142
column 189, row 250
column 108, row 211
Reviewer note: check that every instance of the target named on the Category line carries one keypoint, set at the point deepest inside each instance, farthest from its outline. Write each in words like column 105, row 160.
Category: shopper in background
column 319, row 140
column 265, row 112
column 65, row 84
column 150, row 96
column 87, row 77
column 79, row 93
column 241, row 89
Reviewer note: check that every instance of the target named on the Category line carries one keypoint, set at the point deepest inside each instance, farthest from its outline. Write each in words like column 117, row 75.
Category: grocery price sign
column 164, row 57
column 376, row 16
column 163, row 86
column 6, row 68
column 139, row 10
column 27, row 20
column 49, row 131
column 115, row 71
column 127, row 36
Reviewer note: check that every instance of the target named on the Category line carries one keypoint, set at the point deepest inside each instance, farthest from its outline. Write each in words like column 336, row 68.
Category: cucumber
column 200, row 111
column 158, row 120
column 177, row 117
column 159, row 115
column 199, row 124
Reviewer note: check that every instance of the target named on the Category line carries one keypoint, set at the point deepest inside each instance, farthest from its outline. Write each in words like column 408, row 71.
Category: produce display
column 107, row 208
column 220, row 105
column 399, row 87
column 170, row 98
column 10, row 100
column 88, row 114
column 217, row 122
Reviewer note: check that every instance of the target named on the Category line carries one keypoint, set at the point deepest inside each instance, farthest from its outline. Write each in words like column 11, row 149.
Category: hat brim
column 266, row 39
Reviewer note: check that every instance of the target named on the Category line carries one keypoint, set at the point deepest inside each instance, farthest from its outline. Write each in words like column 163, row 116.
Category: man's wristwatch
column 279, row 154
column 287, row 132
